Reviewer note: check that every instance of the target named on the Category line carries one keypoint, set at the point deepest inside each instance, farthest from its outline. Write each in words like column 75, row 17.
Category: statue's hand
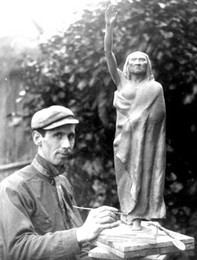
column 110, row 15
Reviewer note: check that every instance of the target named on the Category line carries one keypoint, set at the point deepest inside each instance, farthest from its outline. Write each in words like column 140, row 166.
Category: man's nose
column 65, row 143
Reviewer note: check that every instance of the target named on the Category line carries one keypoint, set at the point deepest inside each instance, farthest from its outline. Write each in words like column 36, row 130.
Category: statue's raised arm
column 110, row 19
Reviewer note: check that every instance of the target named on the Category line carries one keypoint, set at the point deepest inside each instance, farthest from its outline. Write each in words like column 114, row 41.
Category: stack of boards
column 149, row 243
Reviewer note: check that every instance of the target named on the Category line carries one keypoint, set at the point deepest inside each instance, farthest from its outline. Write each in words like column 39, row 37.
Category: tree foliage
column 72, row 71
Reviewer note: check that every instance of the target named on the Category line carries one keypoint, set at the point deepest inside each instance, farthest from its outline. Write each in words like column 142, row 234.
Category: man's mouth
column 65, row 153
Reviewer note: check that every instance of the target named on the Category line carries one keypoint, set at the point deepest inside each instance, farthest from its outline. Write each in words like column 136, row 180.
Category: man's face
column 57, row 144
column 137, row 64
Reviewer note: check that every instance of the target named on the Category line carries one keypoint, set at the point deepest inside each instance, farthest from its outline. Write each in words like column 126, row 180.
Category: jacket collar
column 46, row 168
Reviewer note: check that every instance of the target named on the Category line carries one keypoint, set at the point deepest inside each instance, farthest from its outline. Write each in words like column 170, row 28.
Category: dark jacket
column 34, row 222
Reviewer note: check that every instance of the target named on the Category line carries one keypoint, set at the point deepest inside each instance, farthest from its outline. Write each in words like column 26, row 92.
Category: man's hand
column 110, row 15
column 98, row 219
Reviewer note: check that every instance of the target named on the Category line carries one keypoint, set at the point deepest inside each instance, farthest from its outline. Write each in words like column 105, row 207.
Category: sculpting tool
column 85, row 208
column 179, row 244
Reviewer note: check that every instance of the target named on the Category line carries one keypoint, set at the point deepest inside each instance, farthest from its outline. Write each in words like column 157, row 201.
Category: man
column 37, row 219
column 139, row 144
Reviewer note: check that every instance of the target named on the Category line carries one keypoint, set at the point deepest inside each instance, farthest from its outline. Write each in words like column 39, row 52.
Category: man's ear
column 37, row 138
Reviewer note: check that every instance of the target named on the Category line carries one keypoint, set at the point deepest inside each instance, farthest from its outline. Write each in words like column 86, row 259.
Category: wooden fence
column 16, row 143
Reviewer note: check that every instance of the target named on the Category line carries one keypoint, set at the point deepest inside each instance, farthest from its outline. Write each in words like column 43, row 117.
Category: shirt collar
column 47, row 168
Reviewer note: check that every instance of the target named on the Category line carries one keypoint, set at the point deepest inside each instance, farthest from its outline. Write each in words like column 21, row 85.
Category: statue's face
column 137, row 63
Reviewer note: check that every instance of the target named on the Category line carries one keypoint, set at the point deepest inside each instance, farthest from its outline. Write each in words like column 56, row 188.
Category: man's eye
column 71, row 137
column 59, row 136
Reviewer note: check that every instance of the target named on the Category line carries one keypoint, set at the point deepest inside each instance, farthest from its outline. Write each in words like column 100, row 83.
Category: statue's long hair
column 149, row 73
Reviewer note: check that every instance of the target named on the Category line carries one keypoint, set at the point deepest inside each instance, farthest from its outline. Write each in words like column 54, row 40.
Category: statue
column 139, row 144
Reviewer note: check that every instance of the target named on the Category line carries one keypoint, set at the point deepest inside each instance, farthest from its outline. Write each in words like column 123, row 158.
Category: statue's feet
column 137, row 225
column 126, row 219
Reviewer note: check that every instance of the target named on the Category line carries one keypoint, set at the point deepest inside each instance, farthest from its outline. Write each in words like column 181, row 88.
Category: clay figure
column 139, row 144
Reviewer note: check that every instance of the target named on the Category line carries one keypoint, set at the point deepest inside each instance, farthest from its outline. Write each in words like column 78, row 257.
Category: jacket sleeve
column 19, row 235
column 75, row 212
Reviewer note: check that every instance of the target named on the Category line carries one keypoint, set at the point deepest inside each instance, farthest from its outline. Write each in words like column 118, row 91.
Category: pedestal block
column 123, row 243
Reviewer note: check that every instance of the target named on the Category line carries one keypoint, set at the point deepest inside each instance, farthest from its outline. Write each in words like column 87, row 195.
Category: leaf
column 82, row 84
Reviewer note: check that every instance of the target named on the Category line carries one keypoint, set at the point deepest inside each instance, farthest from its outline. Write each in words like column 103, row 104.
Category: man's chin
column 59, row 162
column 62, row 157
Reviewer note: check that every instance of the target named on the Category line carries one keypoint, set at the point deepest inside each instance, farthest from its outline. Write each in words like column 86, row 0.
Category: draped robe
column 140, row 151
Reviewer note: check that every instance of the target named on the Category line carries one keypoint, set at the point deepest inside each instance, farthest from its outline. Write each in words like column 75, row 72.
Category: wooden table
column 150, row 243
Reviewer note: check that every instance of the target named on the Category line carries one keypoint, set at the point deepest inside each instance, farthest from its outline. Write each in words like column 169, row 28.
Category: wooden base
column 100, row 253
column 124, row 243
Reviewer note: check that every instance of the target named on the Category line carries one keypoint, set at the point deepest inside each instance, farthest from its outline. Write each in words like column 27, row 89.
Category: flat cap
column 52, row 117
